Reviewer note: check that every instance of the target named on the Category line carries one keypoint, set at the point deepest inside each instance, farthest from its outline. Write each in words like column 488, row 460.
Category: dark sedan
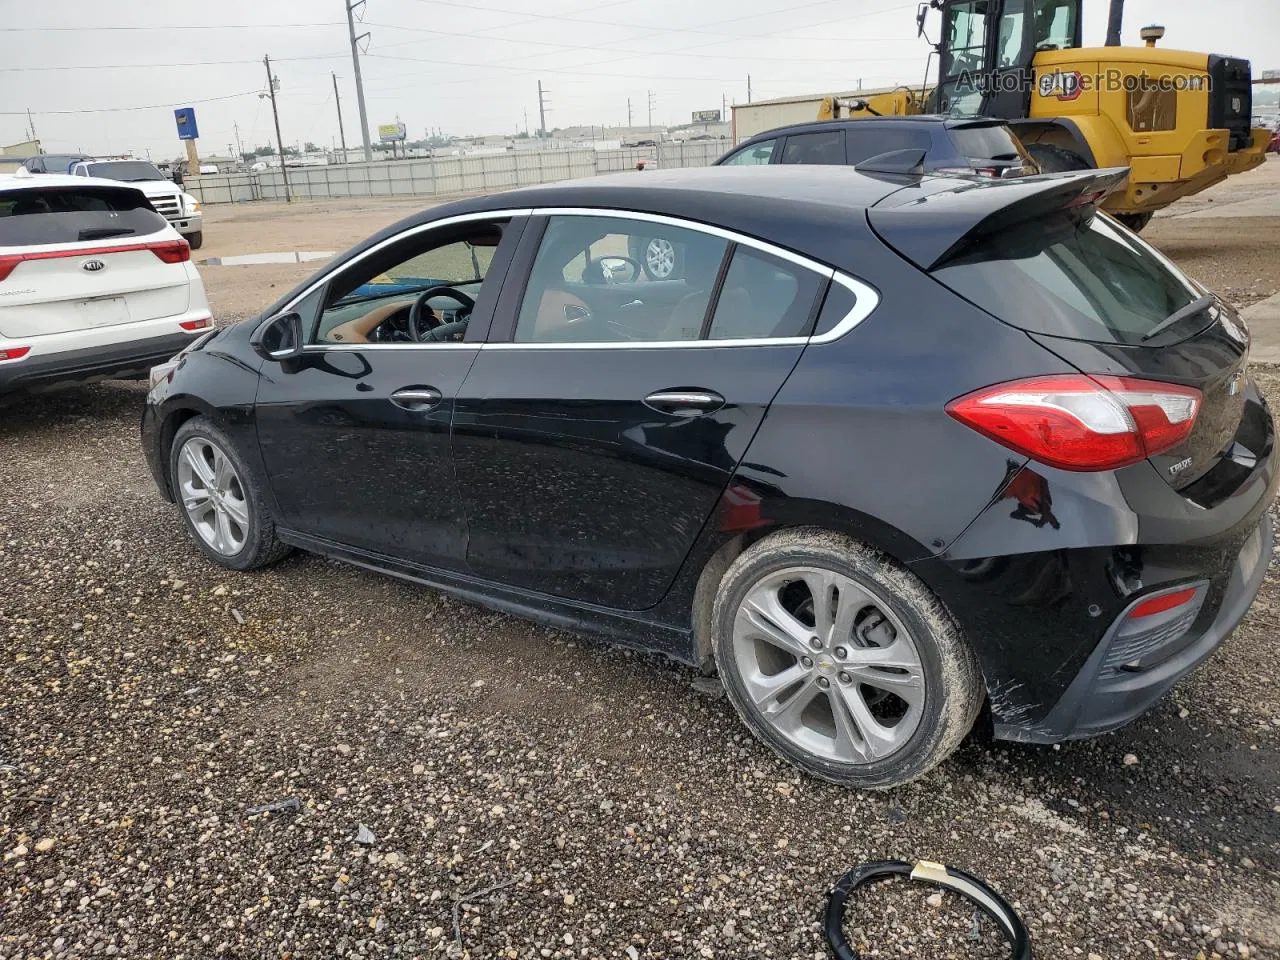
column 883, row 450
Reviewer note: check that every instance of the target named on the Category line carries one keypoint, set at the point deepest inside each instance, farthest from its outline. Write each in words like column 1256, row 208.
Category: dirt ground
column 605, row 804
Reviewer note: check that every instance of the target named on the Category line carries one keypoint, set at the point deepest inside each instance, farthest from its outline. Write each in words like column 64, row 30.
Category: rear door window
column 764, row 297
column 878, row 139
column 70, row 215
column 1089, row 280
column 826, row 148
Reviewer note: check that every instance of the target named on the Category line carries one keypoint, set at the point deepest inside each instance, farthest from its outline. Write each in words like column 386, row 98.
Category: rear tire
column 196, row 240
column 1134, row 221
column 221, row 502
column 1054, row 159
column 873, row 693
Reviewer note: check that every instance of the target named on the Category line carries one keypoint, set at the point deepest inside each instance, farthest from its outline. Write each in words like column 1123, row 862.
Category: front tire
column 841, row 661
column 221, row 502
column 196, row 240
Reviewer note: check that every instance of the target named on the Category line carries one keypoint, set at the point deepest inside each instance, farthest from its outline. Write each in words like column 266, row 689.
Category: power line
column 149, row 66
column 640, row 53
column 153, row 106
column 193, row 26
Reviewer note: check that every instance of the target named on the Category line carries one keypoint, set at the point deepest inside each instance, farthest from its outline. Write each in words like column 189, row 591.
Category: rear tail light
column 200, row 324
column 13, row 353
column 1082, row 423
column 171, row 251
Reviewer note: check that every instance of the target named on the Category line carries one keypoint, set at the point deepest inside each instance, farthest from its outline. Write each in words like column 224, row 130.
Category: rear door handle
column 684, row 401
column 417, row 399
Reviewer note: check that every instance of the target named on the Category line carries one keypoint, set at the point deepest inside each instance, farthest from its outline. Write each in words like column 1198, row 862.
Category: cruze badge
column 1178, row 467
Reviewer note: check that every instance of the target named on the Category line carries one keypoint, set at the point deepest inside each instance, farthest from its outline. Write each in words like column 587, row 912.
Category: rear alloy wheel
column 220, row 501
column 841, row 661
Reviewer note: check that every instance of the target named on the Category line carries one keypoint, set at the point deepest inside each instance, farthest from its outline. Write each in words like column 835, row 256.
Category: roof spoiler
column 931, row 223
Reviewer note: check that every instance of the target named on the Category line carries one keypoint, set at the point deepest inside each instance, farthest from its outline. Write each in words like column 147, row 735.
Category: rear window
column 1087, row 279
column 69, row 215
column 130, row 171
column 994, row 142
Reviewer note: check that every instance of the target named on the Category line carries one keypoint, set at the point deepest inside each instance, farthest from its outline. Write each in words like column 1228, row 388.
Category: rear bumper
column 126, row 351
column 1102, row 699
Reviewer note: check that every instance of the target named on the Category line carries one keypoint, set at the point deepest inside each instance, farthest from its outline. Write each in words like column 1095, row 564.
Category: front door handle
column 417, row 399
column 684, row 401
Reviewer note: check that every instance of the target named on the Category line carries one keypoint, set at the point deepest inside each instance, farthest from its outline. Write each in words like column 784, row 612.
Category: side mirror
column 922, row 13
column 279, row 338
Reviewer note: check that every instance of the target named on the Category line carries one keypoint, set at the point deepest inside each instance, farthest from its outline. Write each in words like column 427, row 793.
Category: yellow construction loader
column 1179, row 120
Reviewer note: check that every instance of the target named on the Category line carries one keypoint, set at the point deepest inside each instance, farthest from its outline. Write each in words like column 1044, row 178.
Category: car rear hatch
column 81, row 257
column 1036, row 254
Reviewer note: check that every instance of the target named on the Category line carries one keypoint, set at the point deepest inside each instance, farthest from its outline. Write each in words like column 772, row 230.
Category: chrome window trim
column 508, row 214
column 866, row 297
column 819, row 268
column 405, row 345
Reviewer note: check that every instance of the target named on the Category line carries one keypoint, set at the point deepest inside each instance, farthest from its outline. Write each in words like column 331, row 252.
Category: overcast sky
column 472, row 66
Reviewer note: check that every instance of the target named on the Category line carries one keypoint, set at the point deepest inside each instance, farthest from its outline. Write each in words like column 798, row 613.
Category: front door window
column 419, row 291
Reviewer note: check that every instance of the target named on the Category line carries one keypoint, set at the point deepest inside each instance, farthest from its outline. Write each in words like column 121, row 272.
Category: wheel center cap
column 825, row 664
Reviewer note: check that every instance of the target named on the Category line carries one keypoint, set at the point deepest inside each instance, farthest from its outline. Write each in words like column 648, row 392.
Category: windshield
column 1085, row 279
column 130, row 171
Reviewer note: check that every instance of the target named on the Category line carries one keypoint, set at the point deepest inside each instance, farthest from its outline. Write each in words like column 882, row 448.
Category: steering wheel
column 423, row 334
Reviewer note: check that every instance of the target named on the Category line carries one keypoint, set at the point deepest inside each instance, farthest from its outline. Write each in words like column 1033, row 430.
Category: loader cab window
column 1011, row 46
column 964, row 58
column 1056, row 25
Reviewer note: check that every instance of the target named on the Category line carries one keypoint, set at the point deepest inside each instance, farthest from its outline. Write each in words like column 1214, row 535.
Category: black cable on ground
column 924, row 871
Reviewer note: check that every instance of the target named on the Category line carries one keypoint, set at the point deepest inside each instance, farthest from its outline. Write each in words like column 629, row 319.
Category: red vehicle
column 1274, row 145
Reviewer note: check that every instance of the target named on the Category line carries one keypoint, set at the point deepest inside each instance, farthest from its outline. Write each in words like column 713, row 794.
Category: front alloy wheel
column 221, row 502
column 213, row 496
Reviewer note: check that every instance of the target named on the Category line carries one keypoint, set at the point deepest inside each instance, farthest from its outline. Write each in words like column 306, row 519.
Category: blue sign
column 186, row 117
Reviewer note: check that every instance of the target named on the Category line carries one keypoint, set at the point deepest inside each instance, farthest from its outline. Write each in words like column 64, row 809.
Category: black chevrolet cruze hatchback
column 882, row 450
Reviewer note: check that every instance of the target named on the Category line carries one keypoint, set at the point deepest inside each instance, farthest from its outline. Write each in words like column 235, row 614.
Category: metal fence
column 445, row 176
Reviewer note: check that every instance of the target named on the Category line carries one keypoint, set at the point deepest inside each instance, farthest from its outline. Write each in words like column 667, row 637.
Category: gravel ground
column 150, row 701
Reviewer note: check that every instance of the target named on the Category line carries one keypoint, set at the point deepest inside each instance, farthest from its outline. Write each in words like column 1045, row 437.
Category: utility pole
column 724, row 107
column 31, row 123
column 239, row 146
column 355, row 61
column 271, row 91
column 542, row 110
column 628, row 113
column 341, row 133
column 651, row 111
column 748, row 88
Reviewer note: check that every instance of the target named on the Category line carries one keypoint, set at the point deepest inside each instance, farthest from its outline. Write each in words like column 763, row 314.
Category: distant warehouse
column 752, row 118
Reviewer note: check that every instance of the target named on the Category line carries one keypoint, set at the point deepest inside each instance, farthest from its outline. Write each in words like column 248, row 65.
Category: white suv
column 180, row 209
column 93, row 283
